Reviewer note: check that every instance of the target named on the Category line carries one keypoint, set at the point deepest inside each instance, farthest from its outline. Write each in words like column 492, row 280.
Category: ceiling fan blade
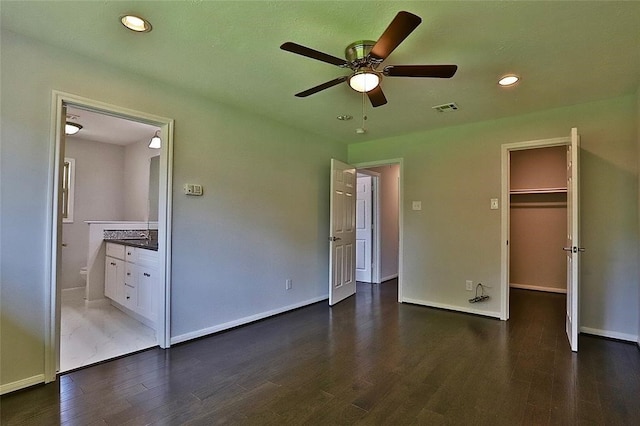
column 435, row 71
column 376, row 96
column 313, row 54
column 401, row 26
column 322, row 87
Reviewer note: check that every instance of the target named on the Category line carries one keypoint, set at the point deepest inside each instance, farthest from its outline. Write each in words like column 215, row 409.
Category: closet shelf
column 538, row 191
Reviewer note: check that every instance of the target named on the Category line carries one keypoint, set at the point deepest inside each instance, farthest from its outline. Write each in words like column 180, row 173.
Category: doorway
column 383, row 215
column 58, row 206
column 538, row 198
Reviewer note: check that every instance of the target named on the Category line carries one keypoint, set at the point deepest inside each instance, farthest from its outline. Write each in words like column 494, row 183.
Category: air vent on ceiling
column 450, row 107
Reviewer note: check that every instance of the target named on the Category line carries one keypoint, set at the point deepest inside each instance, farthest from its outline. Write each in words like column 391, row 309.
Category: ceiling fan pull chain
column 364, row 117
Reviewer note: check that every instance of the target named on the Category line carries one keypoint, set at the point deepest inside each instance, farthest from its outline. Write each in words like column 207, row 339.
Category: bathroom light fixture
column 364, row 80
column 155, row 142
column 508, row 80
column 136, row 23
column 71, row 128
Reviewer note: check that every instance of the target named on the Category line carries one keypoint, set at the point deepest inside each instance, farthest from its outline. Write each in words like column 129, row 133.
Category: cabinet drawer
column 130, row 254
column 130, row 297
column 115, row 250
column 130, row 277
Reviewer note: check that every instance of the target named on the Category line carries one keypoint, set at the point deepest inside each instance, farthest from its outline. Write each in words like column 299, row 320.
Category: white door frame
column 400, row 163
column 59, row 100
column 506, row 206
column 375, row 218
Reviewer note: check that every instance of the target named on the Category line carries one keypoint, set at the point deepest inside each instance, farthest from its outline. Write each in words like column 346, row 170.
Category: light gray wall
column 98, row 196
column 389, row 209
column 263, row 217
column 455, row 171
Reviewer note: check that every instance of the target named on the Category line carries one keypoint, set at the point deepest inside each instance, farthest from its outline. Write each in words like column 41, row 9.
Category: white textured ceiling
column 566, row 53
column 104, row 128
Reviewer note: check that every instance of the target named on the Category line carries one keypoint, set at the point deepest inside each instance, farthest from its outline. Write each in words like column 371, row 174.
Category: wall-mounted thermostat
column 192, row 189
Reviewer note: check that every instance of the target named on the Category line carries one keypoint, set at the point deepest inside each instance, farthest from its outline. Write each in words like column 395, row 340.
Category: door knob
column 334, row 238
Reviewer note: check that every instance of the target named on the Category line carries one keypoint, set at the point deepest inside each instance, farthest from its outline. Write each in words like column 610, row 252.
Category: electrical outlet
column 469, row 285
column 288, row 284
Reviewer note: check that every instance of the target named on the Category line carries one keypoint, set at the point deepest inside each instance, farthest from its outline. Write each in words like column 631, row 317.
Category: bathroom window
column 68, row 183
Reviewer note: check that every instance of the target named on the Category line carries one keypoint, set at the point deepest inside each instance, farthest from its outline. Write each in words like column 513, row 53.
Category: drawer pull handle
column 128, row 273
column 128, row 297
column 113, row 264
column 147, row 275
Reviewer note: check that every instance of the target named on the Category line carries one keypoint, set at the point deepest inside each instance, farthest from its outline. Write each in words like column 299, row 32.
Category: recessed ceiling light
column 136, row 23
column 508, row 80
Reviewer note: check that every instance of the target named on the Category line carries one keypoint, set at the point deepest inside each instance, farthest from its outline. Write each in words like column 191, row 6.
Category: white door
column 342, row 248
column 363, row 229
column 573, row 248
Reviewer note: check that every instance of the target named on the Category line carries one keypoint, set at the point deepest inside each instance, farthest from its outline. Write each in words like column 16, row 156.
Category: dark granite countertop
column 140, row 243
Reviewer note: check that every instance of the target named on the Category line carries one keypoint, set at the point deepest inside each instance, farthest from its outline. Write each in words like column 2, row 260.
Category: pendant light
column 155, row 142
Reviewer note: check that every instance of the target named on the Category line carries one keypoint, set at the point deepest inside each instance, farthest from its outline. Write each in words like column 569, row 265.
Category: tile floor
column 92, row 334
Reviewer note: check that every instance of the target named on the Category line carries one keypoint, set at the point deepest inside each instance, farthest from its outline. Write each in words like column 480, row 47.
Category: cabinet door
column 146, row 286
column 114, row 279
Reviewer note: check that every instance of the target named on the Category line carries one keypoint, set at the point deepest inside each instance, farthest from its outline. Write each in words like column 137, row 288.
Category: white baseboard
column 453, row 308
column 388, row 277
column 538, row 288
column 242, row 321
column 21, row 384
column 610, row 334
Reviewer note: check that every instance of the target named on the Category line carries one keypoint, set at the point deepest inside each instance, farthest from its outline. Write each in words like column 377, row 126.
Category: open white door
column 363, row 229
column 573, row 248
column 342, row 248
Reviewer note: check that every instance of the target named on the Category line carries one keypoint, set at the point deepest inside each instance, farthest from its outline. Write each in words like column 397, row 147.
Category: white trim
column 504, row 216
column 400, row 162
column 242, row 321
column 59, row 100
column 610, row 334
column 538, row 288
column 456, row 308
column 388, row 277
column 21, row 384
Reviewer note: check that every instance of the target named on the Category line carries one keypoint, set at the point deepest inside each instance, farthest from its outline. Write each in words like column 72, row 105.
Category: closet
column 538, row 219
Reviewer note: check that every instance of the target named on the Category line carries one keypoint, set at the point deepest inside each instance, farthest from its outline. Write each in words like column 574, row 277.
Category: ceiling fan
column 365, row 56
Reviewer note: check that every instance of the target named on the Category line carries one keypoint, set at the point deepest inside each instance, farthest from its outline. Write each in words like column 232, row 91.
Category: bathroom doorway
column 97, row 187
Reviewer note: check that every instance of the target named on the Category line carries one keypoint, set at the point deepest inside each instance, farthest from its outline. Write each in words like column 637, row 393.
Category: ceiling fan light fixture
column 155, row 142
column 364, row 80
column 136, row 23
column 508, row 80
column 71, row 128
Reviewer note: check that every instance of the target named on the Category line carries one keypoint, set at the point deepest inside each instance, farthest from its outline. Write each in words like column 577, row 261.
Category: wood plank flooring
column 367, row 360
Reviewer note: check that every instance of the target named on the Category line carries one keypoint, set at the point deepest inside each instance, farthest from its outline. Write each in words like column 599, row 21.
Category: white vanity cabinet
column 114, row 272
column 131, row 279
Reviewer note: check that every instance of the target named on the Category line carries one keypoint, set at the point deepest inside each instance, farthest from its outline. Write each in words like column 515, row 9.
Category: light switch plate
column 494, row 204
column 416, row 205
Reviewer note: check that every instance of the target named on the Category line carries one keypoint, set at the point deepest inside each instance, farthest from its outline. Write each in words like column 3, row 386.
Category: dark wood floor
column 367, row 360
